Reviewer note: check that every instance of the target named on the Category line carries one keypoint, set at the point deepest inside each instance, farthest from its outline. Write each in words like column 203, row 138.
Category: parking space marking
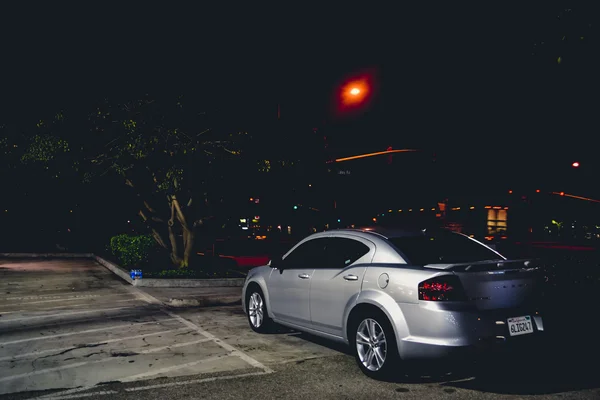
column 226, row 346
column 60, row 335
column 103, row 342
column 80, row 396
column 152, row 300
column 63, row 314
column 81, row 364
column 59, row 307
column 50, row 299
column 194, row 381
column 173, row 368
column 64, row 393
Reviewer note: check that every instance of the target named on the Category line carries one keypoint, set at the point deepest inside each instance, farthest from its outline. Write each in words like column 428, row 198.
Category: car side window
column 342, row 252
column 307, row 255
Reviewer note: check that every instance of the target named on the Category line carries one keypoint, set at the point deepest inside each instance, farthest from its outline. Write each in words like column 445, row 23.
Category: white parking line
column 72, row 298
column 63, row 314
column 81, row 364
column 194, row 381
column 80, row 296
column 226, row 346
column 173, row 368
column 152, row 300
column 64, row 349
column 59, row 307
column 63, row 393
column 36, row 289
column 60, row 335
column 79, row 396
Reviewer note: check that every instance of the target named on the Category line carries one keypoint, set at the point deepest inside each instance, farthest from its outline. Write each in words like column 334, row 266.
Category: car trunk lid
column 497, row 284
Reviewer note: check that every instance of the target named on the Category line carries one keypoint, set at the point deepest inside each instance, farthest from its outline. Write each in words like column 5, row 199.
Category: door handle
column 351, row 277
column 304, row 276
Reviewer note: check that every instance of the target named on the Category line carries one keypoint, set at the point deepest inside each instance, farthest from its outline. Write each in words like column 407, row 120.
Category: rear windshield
column 442, row 248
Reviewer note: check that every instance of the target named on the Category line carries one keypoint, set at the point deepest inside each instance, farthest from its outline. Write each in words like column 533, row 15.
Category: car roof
column 385, row 232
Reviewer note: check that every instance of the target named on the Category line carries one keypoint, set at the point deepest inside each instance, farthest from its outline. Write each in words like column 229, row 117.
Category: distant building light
column 537, row 190
column 510, row 192
column 575, row 164
column 471, row 208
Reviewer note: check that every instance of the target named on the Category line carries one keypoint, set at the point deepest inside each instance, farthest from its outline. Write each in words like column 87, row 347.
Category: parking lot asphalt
column 69, row 329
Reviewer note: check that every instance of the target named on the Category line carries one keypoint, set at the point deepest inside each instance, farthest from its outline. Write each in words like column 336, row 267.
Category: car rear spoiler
column 491, row 265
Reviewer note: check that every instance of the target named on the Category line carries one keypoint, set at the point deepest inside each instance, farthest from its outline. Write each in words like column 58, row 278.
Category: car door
column 289, row 286
column 337, row 283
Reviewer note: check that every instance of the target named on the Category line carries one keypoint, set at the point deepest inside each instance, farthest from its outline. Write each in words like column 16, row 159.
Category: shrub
column 132, row 251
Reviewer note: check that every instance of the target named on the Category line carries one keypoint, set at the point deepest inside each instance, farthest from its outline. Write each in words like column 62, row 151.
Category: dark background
column 476, row 87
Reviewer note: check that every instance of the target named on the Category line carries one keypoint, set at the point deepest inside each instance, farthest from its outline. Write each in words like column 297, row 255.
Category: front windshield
column 443, row 248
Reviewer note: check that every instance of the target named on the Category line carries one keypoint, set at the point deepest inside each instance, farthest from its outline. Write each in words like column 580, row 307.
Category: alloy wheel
column 256, row 310
column 371, row 344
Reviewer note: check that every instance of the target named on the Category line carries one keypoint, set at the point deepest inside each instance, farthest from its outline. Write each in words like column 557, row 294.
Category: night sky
column 465, row 82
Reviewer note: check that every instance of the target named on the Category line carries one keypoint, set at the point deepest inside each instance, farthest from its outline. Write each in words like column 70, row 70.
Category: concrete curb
column 124, row 274
column 47, row 255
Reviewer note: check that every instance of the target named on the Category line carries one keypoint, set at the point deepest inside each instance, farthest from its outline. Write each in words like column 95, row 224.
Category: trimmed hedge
column 132, row 251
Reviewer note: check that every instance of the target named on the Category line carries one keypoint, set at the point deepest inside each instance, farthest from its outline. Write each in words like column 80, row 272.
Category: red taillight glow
column 444, row 288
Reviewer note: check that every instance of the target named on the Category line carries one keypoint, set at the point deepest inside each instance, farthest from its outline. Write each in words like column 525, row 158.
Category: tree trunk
column 189, row 238
column 175, row 259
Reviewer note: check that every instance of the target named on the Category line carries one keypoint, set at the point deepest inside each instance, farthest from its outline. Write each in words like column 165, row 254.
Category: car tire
column 256, row 310
column 376, row 353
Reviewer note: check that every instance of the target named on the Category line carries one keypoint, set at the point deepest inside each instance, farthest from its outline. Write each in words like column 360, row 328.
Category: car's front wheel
column 256, row 310
column 374, row 345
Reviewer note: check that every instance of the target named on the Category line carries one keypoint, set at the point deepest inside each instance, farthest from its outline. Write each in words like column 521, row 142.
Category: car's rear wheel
column 374, row 345
column 256, row 310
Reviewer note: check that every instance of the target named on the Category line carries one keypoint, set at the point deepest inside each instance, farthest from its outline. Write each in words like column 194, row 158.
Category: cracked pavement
column 69, row 329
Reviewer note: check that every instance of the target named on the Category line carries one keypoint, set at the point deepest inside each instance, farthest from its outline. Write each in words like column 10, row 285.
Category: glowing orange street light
column 355, row 92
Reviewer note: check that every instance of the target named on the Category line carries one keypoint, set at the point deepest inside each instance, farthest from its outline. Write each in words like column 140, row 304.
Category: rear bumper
column 438, row 334
column 486, row 347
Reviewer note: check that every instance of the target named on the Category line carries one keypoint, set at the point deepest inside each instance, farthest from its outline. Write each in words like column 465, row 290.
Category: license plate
column 520, row 325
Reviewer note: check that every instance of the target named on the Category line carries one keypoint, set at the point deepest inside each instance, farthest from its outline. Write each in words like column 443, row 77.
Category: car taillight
column 442, row 288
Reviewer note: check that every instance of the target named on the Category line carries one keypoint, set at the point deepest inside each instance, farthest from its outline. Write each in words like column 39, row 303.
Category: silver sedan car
column 396, row 295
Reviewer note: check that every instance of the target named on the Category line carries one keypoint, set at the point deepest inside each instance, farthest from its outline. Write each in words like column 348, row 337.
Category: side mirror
column 276, row 262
